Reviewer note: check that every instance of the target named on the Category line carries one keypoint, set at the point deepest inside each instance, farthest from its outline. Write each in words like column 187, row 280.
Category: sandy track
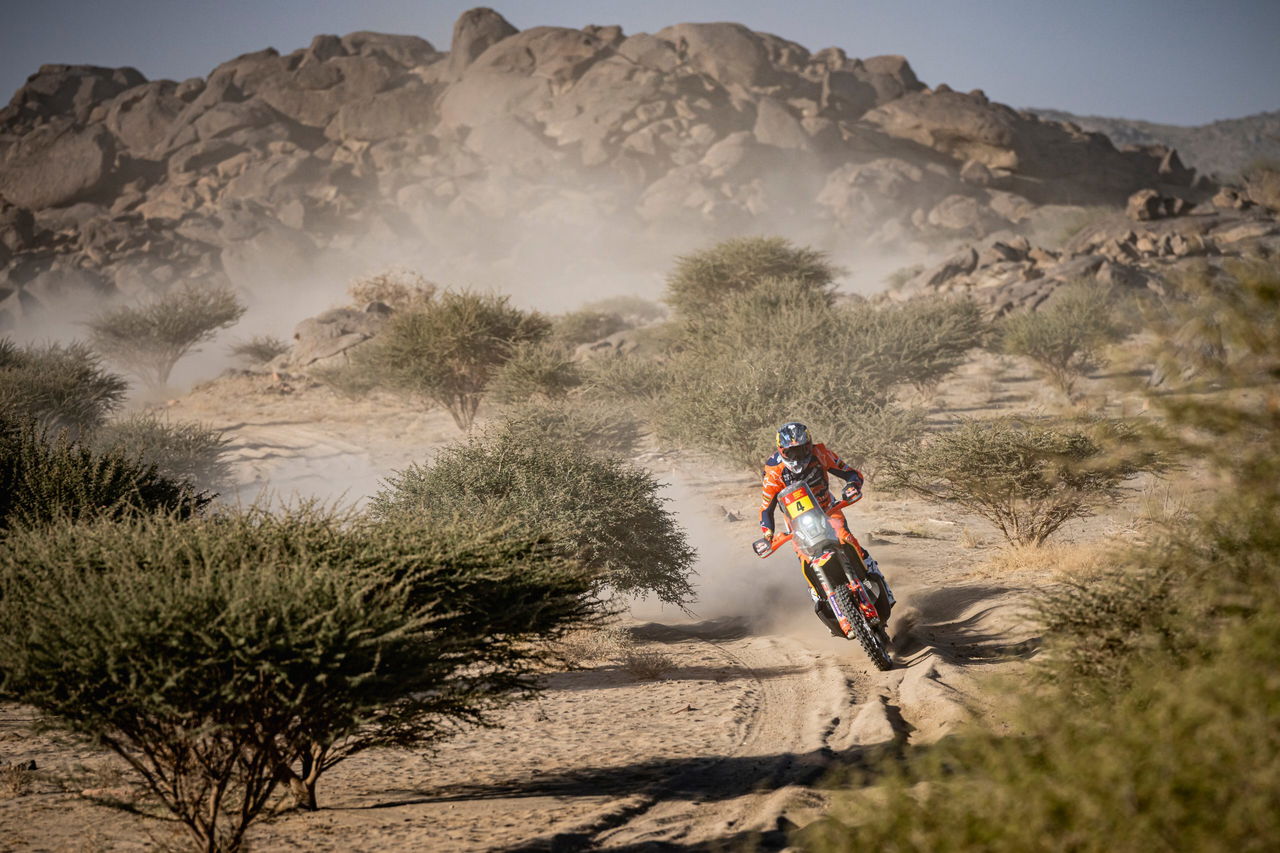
column 758, row 705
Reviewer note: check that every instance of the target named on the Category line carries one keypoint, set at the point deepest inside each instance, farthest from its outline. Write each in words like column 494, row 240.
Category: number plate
column 797, row 502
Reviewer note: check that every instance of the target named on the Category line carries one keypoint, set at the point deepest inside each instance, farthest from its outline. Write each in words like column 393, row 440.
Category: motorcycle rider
column 799, row 459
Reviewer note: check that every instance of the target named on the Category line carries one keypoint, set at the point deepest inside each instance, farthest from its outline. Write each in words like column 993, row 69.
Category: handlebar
column 778, row 541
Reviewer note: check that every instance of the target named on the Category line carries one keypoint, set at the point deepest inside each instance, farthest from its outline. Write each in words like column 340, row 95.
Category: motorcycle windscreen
column 809, row 524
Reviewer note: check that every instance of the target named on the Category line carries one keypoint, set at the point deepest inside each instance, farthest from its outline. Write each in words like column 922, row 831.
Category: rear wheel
column 874, row 642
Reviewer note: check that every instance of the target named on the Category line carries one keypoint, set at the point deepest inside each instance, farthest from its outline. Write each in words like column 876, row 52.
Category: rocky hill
column 573, row 140
column 1223, row 148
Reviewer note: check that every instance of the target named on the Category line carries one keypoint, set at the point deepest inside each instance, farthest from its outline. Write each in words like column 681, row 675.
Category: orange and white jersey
column 777, row 476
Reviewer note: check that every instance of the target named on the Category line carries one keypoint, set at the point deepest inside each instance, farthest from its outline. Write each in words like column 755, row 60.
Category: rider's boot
column 828, row 618
column 874, row 573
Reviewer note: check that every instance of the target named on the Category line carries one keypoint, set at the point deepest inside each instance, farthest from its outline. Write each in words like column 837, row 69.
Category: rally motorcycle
column 851, row 594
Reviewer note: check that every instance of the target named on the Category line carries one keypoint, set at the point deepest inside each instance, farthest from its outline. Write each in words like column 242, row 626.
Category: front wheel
column 874, row 643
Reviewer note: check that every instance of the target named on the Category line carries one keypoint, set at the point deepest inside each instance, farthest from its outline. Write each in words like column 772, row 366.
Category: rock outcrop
column 1011, row 274
column 711, row 129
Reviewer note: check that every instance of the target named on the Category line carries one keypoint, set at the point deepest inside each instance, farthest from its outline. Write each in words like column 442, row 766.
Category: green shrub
column 58, row 388
column 1027, row 478
column 702, row 282
column 765, row 359
column 1145, row 769
column 353, row 378
column 187, row 452
column 44, row 480
column 259, row 349
column 591, row 426
column 597, row 510
column 1065, row 337
column 870, row 435
column 149, row 339
column 221, row 657
column 448, row 350
column 535, row 369
column 626, row 380
column 586, row 326
column 919, row 342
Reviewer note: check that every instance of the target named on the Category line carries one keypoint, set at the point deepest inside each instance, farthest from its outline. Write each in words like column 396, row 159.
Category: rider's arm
column 835, row 465
column 769, row 490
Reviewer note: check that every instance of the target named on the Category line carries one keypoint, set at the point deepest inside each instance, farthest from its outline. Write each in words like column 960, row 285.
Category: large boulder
column 314, row 93
column 729, row 53
column 557, row 54
column 776, row 126
column 58, row 163
column 73, row 90
column 17, row 226
column 408, row 51
column 953, row 124
column 385, row 115
column 475, row 31
column 142, row 117
column 225, row 119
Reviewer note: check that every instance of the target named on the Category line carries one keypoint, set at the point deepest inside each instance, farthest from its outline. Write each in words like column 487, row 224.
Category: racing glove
column 850, row 492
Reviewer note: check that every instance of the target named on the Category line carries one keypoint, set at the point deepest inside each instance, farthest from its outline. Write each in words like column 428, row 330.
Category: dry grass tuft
column 617, row 646
column 16, row 780
column 646, row 664
column 1078, row 560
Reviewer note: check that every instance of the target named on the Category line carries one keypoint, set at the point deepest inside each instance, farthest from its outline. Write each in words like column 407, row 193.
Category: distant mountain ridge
column 1223, row 148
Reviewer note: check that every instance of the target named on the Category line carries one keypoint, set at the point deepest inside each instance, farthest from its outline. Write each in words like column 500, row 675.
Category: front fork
column 819, row 567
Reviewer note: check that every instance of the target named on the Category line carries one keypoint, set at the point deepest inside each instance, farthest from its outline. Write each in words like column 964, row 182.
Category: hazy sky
column 1176, row 61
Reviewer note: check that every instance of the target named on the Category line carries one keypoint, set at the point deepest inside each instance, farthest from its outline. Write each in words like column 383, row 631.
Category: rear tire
column 876, row 648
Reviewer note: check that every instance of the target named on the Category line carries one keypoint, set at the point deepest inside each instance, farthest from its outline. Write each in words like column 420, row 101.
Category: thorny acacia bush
column 1197, row 323
column 778, row 353
column 595, row 509
column 150, row 338
column 1028, row 478
column 1065, row 336
column 926, row 338
column 704, row 281
column 224, row 656
column 1159, row 730
column 592, row 426
column 448, row 350
column 258, row 350
column 47, row 479
column 398, row 288
column 535, row 369
column 58, row 388
column 188, row 452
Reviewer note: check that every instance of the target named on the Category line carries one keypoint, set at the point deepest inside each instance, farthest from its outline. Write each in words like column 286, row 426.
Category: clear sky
column 1175, row 61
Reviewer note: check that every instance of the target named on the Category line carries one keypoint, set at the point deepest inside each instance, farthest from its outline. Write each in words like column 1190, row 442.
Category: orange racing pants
column 844, row 536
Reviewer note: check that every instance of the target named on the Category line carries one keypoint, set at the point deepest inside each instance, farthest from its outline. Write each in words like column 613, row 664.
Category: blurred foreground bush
column 1152, row 725
column 225, row 656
